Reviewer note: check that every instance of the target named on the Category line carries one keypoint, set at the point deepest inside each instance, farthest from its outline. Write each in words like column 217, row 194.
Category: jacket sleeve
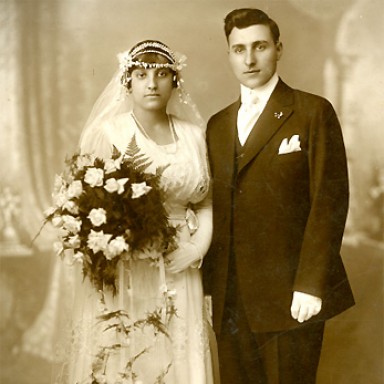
column 329, row 194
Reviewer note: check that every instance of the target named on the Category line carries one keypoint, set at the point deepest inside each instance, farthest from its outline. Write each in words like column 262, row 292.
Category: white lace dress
column 148, row 357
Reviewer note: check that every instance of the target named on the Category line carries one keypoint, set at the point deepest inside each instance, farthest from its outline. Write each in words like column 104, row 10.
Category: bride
column 146, row 101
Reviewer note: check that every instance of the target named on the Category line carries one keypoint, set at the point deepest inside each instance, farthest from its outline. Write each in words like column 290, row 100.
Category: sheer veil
column 51, row 325
column 115, row 99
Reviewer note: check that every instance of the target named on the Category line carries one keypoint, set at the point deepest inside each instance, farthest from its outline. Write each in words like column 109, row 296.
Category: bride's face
column 151, row 88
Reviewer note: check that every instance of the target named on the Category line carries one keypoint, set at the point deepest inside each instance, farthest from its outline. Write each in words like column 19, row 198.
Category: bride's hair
column 147, row 54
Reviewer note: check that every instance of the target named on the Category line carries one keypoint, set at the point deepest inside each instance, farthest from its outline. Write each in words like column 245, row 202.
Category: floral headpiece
column 128, row 59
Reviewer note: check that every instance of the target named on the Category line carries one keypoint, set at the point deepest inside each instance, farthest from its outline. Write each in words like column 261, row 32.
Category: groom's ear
column 279, row 48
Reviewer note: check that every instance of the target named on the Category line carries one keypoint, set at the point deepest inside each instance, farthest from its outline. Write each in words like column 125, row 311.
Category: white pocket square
column 293, row 145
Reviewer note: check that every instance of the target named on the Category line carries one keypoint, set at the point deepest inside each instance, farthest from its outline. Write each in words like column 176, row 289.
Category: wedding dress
column 182, row 353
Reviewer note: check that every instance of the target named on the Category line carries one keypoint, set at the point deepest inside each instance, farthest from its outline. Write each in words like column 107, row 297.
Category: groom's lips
column 252, row 71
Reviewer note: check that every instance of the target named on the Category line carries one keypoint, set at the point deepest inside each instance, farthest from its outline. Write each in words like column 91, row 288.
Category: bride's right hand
column 185, row 256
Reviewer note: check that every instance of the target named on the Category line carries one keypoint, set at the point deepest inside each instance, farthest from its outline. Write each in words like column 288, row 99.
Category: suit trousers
column 285, row 357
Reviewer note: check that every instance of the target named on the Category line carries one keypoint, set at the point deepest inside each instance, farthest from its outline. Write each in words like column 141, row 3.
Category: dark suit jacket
column 282, row 216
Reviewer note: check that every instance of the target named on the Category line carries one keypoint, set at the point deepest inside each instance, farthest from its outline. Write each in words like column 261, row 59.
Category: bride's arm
column 191, row 253
column 203, row 236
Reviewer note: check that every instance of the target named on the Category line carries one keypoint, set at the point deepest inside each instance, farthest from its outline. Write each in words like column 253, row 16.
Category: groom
column 280, row 200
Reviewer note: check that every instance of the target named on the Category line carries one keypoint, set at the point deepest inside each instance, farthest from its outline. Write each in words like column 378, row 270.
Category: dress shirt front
column 253, row 102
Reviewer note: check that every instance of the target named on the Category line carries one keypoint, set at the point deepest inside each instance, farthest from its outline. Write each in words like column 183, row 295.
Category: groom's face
column 253, row 54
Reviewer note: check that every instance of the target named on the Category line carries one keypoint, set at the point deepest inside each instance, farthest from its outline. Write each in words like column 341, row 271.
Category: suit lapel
column 276, row 112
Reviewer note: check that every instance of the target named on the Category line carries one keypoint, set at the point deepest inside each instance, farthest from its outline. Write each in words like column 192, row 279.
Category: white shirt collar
column 262, row 93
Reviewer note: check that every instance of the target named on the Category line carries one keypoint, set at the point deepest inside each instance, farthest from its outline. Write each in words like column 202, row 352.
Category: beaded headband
column 127, row 59
column 153, row 47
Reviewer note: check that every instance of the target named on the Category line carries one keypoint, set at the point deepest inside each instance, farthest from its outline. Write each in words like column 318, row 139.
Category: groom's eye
column 238, row 49
column 261, row 47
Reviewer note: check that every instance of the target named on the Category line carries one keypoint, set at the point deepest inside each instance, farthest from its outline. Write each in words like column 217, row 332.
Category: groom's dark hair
column 246, row 17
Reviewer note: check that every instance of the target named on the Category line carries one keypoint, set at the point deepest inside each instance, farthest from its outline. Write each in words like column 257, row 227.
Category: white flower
column 75, row 189
column 163, row 288
column 58, row 183
column 71, row 207
column 57, row 221
column 58, row 247
column 98, row 241
column 62, row 233
column 171, row 293
column 112, row 185
column 59, row 198
column 50, row 211
column 181, row 63
column 71, row 224
column 85, row 161
column 139, row 189
column 111, row 165
column 94, row 177
column 115, row 247
column 98, row 216
column 73, row 242
column 125, row 60
column 78, row 257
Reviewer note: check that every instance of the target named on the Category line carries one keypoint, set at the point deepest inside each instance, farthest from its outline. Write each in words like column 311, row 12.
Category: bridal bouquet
column 109, row 209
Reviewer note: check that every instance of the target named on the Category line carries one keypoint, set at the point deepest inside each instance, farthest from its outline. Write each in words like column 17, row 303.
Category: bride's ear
column 175, row 81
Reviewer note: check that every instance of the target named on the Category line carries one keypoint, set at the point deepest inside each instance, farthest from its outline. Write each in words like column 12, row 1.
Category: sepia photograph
column 191, row 192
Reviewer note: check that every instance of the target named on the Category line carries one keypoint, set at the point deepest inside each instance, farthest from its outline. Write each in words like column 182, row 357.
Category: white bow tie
column 250, row 98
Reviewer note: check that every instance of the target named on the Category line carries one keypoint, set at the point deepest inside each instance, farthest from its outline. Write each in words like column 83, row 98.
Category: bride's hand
column 185, row 256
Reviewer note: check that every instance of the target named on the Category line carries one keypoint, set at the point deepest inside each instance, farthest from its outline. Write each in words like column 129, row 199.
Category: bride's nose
column 152, row 83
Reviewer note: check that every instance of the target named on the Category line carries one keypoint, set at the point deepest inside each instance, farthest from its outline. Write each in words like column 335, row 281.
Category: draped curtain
column 44, row 104
column 38, row 93
column 41, row 67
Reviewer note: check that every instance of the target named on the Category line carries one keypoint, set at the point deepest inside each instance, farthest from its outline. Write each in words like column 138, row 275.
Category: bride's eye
column 162, row 73
column 140, row 74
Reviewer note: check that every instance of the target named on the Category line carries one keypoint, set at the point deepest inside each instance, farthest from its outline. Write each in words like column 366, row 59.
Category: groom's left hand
column 304, row 306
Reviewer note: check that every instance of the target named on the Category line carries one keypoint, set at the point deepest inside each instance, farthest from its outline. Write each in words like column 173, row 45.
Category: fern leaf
column 132, row 149
column 115, row 153
column 134, row 156
column 160, row 170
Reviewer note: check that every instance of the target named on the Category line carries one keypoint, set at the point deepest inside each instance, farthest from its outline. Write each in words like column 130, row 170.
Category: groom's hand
column 304, row 306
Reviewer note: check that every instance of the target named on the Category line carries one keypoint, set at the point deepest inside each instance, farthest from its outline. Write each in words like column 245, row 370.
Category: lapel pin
column 278, row 115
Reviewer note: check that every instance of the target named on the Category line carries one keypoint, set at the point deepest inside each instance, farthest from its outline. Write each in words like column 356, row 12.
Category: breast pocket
column 289, row 166
column 287, row 157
